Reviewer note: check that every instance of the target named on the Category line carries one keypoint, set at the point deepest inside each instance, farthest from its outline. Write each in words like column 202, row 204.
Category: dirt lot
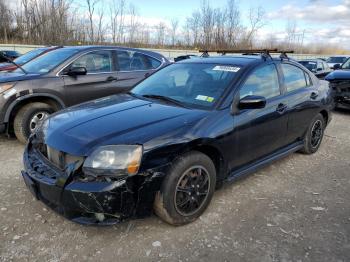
column 297, row 209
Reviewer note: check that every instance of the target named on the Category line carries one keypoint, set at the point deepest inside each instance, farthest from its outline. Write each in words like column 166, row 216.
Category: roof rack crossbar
column 265, row 53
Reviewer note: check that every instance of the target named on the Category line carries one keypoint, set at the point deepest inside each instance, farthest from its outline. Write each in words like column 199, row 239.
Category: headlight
column 115, row 159
column 5, row 87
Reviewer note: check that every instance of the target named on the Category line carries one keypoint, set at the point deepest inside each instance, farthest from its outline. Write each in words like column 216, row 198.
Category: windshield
column 346, row 65
column 192, row 84
column 309, row 64
column 337, row 59
column 45, row 63
column 29, row 56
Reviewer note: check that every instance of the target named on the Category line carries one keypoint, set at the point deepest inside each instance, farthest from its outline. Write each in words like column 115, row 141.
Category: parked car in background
column 23, row 59
column 340, row 84
column 334, row 60
column 316, row 66
column 184, row 57
column 9, row 54
column 173, row 138
column 68, row 76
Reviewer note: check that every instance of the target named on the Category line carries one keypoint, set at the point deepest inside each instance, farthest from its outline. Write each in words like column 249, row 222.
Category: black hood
column 338, row 75
column 16, row 76
column 119, row 119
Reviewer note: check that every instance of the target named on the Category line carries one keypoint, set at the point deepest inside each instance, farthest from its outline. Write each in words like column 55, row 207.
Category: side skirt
column 253, row 167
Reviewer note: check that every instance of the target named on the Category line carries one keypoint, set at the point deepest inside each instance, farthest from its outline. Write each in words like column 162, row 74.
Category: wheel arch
column 325, row 115
column 13, row 108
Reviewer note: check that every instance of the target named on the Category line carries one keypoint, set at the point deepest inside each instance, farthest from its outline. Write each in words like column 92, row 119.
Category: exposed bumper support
column 98, row 203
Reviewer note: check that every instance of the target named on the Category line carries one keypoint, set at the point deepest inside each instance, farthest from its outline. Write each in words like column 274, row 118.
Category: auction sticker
column 226, row 68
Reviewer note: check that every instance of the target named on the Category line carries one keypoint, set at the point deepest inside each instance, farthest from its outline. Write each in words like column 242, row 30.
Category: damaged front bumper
column 341, row 94
column 97, row 202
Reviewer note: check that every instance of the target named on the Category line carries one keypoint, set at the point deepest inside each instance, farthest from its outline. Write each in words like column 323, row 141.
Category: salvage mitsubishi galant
column 179, row 134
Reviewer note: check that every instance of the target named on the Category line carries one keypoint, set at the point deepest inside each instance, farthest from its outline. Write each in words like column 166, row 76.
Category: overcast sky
column 323, row 21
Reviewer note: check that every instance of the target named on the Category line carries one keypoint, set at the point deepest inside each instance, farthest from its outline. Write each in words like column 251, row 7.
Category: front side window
column 95, row 62
column 294, row 77
column 262, row 82
column 192, row 84
column 134, row 61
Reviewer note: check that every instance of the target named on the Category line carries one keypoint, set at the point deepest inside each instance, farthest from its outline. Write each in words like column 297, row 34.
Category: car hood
column 119, row 119
column 338, row 75
column 14, row 76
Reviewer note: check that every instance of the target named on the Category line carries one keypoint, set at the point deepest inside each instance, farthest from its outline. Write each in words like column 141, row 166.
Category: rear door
column 259, row 132
column 133, row 67
column 99, row 81
column 303, row 100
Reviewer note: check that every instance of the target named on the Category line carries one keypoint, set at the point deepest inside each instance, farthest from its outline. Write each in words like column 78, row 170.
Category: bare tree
column 256, row 22
column 232, row 23
column 91, row 6
column 174, row 25
column 133, row 23
column 160, row 34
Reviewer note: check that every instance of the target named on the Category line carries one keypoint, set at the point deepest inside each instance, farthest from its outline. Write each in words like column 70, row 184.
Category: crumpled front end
column 59, row 182
column 341, row 93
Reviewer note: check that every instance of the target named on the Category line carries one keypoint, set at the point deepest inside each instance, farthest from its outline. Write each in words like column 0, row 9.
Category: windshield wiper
column 12, row 62
column 165, row 98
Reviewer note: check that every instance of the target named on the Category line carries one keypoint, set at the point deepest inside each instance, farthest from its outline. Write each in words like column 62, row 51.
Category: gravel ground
column 297, row 209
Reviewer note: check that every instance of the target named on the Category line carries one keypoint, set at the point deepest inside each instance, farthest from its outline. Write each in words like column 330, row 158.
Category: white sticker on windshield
column 226, row 68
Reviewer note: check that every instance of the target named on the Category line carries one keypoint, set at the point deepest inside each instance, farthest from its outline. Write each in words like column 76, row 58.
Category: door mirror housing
column 336, row 66
column 77, row 71
column 252, row 102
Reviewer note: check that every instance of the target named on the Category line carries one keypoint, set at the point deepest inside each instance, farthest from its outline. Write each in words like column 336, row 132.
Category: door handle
column 281, row 108
column 111, row 79
column 314, row 95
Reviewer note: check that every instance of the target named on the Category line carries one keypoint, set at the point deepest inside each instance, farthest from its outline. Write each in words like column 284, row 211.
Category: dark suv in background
column 340, row 83
column 68, row 76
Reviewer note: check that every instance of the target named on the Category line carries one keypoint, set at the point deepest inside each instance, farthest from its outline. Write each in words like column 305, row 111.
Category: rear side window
column 134, row 61
column 294, row 77
column 95, row 62
column 262, row 82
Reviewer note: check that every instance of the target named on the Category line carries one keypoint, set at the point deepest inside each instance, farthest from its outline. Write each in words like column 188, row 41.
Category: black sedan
column 171, row 140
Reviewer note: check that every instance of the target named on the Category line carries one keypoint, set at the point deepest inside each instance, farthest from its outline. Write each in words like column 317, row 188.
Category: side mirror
column 319, row 69
column 77, row 71
column 252, row 102
column 336, row 66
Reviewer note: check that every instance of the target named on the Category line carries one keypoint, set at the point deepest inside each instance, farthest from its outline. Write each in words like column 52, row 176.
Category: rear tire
column 314, row 135
column 28, row 117
column 187, row 189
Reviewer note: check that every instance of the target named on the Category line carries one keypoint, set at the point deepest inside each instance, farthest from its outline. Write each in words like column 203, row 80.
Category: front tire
column 187, row 189
column 28, row 117
column 314, row 135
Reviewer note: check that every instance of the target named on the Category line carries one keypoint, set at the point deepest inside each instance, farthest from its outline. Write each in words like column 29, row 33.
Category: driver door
column 260, row 132
column 99, row 81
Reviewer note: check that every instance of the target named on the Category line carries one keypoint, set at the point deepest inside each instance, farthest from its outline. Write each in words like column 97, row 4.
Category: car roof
column 94, row 47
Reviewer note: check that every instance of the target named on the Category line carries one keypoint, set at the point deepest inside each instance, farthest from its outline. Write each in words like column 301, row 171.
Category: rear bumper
column 98, row 203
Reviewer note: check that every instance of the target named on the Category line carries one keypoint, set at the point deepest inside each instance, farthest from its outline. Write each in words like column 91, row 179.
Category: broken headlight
column 114, row 160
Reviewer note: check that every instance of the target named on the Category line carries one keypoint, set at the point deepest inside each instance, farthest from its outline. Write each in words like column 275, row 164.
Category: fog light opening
column 100, row 217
